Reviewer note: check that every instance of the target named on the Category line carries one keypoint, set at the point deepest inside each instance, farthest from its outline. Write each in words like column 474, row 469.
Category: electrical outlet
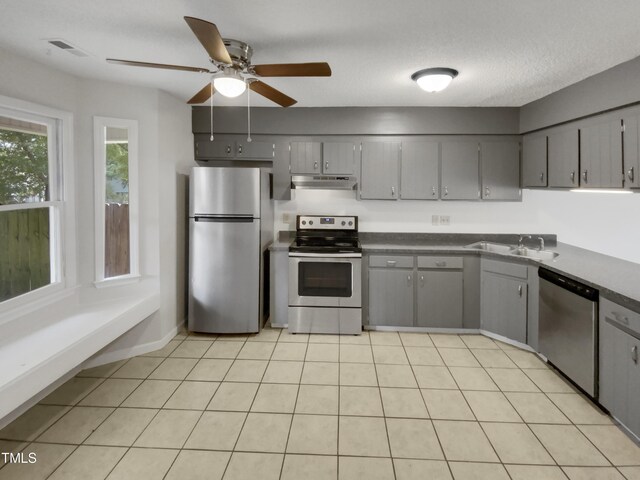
column 286, row 218
column 435, row 219
column 445, row 220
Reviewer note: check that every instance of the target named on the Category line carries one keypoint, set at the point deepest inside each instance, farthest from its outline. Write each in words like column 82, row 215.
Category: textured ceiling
column 508, row 52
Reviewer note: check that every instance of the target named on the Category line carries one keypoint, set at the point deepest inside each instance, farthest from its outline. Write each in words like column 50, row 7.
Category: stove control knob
column 310, row 222
column 304, row 222
column 350, row 223
column 343, row 223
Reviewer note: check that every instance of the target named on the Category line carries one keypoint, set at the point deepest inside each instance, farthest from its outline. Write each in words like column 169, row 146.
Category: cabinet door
column 460, row 177
column 216, row 149
column 500, row 167
column 379, row 175
column 439, row 298
column 419, row 171
column 534, row 161
column 631, row 141
column 614, row 369
column 391, row 297
column 601, row 154
column 563, row 158
column 255, row 150
column 504, row 306
column 305, row 157
column 338, row 158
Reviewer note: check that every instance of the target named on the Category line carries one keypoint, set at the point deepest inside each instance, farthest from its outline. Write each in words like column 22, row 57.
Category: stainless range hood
column 324, row 182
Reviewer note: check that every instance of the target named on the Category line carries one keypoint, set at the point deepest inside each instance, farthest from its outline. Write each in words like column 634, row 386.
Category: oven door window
column 322, row 279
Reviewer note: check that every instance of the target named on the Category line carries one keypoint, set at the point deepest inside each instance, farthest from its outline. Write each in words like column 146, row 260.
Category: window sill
column 117, row 281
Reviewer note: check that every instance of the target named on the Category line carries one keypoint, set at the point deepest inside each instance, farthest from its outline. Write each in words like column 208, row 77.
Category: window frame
column 100, row 162
column 61, row 205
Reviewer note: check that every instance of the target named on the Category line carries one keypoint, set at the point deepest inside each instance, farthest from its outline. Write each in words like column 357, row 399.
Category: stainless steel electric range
column 325, row 276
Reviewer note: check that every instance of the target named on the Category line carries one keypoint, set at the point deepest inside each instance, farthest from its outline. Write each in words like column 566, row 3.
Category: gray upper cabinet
column 631, row 142
column 440, row 297
column 232, row 149
column 391, row 296
column 254, row 150
column 601, row 153
column 216, row 149
column 564, row 157
column 500, row 167
column 338, row 158
column 460, row 174
column 379, row 171
column 419, row 179
column 306, row 157
column 534, row 160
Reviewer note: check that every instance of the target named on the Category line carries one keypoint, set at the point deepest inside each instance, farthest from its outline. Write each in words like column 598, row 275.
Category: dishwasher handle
column 569, row 284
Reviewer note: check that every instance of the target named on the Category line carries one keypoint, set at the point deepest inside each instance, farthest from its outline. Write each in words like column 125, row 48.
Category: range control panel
column 320, row 222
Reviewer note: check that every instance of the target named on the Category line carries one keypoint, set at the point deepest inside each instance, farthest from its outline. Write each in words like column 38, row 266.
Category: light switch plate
column 445, row 220
column 435, row 219
column 286, row 218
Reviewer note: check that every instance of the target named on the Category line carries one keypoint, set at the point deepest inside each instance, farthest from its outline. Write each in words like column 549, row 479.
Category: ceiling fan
column 233, row 71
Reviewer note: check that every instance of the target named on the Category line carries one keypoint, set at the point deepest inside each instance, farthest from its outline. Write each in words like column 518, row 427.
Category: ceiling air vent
column 67, row 47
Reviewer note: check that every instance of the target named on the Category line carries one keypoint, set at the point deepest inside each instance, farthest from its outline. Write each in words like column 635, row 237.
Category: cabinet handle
column 422, row 280
column 393, row 191
column 433, row 191
column 634, row 354
column 585, row 176
column 315, row 165
column 408, row 278
column 391, row 263
column 541, row 177
column 228, row 149
column 326, row 165
column 630, row 174
column 520, row 290
column 441, row 263
column 446, row 191
column 573, row 177
column 487, row 191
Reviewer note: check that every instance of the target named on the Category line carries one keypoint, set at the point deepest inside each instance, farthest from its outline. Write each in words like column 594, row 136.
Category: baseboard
column 460, row 331
column 132, row 351
column 515, row 343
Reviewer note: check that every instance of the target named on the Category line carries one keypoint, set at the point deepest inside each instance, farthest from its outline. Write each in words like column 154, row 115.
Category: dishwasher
column 568, row 328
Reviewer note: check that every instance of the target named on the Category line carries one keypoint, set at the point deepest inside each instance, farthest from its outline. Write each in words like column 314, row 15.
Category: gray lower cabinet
column 419, row 177
column 439, row 298
column 601, row 153
column 379, row 173
column 631, row 141
column 391, row 296
column 564, row 157
column 503, row 302
column 619, row 372
column 500, row 168
column 460, row 174
column 534, row 160
column 305, row 157
column 279, row 287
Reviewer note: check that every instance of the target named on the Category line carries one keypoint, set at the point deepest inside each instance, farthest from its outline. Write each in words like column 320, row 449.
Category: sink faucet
column 521, row 240
column 541, row 246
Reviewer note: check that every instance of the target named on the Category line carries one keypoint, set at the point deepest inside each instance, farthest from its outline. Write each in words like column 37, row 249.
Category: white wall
column 605, row 223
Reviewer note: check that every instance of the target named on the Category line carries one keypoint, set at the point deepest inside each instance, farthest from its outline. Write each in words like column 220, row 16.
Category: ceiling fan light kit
column 434, row 79
column 233, row 71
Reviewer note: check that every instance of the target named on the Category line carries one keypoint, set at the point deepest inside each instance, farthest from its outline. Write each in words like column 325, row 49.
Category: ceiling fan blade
column 271, row 93
column 157, row 65
column 318, row 69
column 203, row 95
column 209, row 36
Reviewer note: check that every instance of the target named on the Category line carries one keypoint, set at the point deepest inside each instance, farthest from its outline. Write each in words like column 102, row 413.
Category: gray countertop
column 618, row 280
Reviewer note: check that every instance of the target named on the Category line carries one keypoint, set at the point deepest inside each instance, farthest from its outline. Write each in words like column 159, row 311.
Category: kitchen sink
column 491, row 247
column 533, row 253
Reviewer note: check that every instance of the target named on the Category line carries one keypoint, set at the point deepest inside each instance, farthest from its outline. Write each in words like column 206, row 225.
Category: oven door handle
column 325, row 255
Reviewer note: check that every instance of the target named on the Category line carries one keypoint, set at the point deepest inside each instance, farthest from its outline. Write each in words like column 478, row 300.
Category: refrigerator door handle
column 225, row 219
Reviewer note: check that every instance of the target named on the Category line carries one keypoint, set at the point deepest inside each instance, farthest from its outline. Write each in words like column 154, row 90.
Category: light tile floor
column 275, row 406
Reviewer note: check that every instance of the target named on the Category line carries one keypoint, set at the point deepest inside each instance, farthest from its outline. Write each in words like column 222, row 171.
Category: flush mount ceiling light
column 230, row 83
column 434, row 79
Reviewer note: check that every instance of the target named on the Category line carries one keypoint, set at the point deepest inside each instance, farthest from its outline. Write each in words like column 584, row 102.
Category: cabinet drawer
column 391, row 261
column 440, row 262
column 620, row 317
column 505, row 268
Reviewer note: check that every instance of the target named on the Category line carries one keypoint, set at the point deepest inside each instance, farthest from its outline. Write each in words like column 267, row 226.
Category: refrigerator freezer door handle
column 225, row 219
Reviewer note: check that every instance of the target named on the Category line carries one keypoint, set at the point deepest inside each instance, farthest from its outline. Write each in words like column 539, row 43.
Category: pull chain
column 249, row 114
column 211, row 109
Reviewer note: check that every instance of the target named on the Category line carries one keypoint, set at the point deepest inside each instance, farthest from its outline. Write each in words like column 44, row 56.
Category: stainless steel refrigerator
column 230, row 229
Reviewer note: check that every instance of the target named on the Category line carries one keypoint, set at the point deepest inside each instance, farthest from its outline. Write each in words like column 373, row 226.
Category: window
column 116, row 199
column 30, row 203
